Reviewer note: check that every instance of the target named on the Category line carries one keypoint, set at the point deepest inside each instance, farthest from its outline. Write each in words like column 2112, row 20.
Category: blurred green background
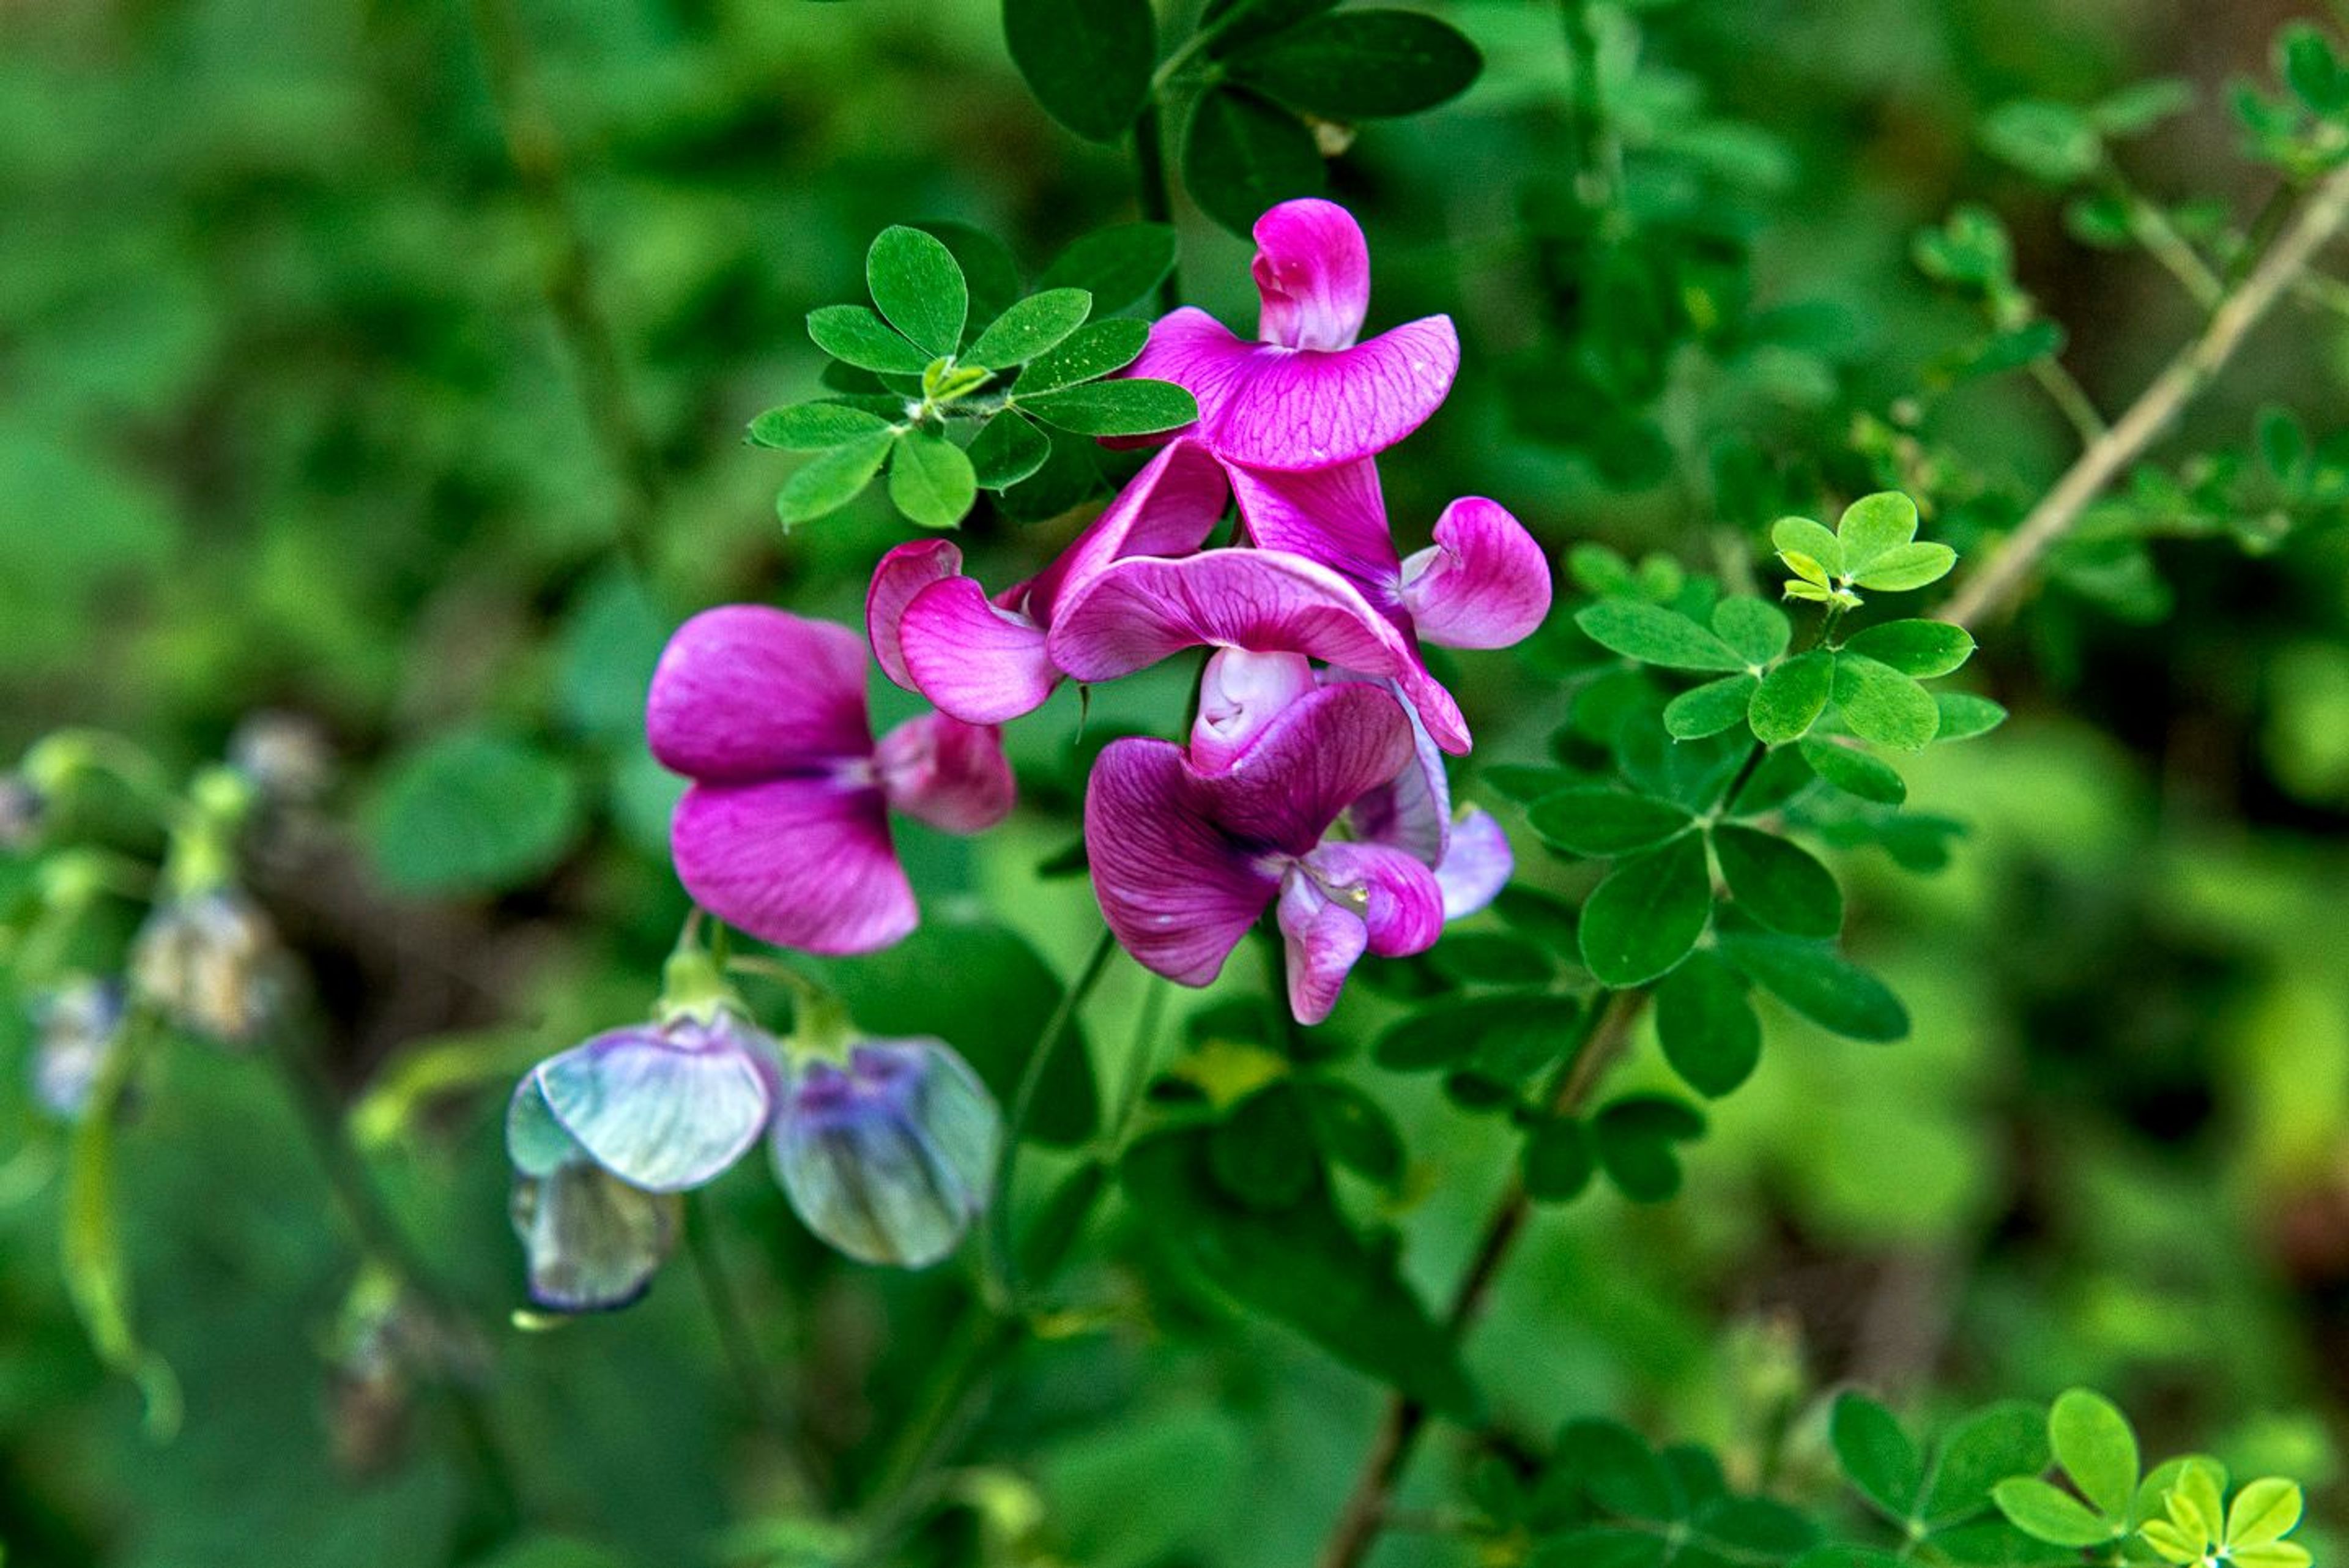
column 288, row 422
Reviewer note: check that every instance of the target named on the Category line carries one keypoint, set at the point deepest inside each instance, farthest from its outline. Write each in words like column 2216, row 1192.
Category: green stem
column 1152, row 190
column 1595, row 152
column 1137, row 1058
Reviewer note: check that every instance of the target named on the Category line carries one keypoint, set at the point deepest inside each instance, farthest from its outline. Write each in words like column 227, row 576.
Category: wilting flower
column 286, row 756
column 1185, row 859
column 890, row 1156
column 75, row 1028
column 592, row 1241
column 211, row 962
column 785, row 829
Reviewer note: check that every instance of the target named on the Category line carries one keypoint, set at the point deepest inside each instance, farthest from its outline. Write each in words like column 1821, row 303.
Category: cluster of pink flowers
column 1313, row 779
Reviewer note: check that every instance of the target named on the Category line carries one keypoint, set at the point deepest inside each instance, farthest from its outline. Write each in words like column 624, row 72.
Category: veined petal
column 1414, row 811
column 1336, row 516
column 901, row 574
column 1167, row 509
column 662, row 1108
column 1476, row 865
column 975, row 659
column 1319, row 755
column 1396, row 894
column 1239, row 694
column 1195, row 352
column 1483, row 584
column 1323, row 939
column 592, row 1241
column 1313, row 274
column 953, row 776
column 745, row 692
column 800, row 863
column 1175, row 890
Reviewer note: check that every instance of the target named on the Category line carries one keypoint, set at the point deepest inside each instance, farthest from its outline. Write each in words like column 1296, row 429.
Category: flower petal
column 1483, row 584
column 1334, row 515
column 1313, row 273
column 1476, row 865
column 1142, row 610
column 1323, row 940
column 901, row 574
column 592, row 1241
column 1176, row 892
column 746, row 692
column 664, row 1109
column 952, row 775
column 1401, row 905
column 1167, row 509
column 975, row 660
column 1414, row 812
column 800, row 863
column 1322, row 753
column 1239, row 693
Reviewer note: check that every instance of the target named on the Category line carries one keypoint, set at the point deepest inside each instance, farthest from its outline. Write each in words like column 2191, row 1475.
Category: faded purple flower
column 212, row 963
column 593, row 1242
column 666, row 1106
column 76, row 1027
column 785, row 829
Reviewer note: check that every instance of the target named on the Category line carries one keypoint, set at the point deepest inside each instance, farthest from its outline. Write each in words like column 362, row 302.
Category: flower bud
column 592, row 1241
column 890, row 1156
column 665, row 1106
column 76, row 1027
column 211, row 962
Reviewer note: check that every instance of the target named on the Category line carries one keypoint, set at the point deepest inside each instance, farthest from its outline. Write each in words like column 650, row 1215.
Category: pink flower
column 1185, row 859
column 785, row 830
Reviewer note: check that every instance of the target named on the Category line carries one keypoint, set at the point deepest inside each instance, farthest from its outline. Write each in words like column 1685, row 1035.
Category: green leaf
column 2283, row 442
column 1883, row 705
column 2006, row 1439
column 1801, row 536
column 1964, row 715
column 1910, row 566
column 1301, row 1264
column 2194, row 1505
column 1634, row 1136
column 853, row 334
column 919, row 287
column 1758, row 629
column 1118, row 267
column 1508, row 1035
column 1355, row 1129
column 930, row 480
column 1778, row 882
column 1087, row 61
column 1029, row 328
column 1610, row 1463
column 1071, row 474
column 1710, row 709
column 1557, row 1160
column 1491, row 958
column 473, row 812
column 2092, row 1442
column 1791, row 698
column 2045, row 1513
column 1706, row 1025
column 814, row 427
column 1854, row 772
column 96, row 1272
column 988, row 270
column 833, row 479
column 1113, row 408
column 1361, row 64
column 2265, row 1510
column 1877, row 1455
column 2280, row 1554
column 1648, row 914
column 1092, row 350
column 1242, row 155
column 1233, row 24
column 1007, row 449
column 1605, row 822
column 1262, row 1153
column 2051, row 142
column 1922, row 649
column 1818, row 982
column 2311, row 68
column 2140, row 106
column 1654, row 635
column 1873, row 526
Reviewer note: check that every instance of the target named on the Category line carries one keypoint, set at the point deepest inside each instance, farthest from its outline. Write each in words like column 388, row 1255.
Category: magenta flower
column 1185, row 859
column 785, row 830
column 1306, row 395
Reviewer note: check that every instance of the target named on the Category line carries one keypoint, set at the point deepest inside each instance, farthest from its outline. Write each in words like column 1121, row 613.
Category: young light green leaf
column 1898, row 570
column 814, row 427
column 2196, row 1504
column 1242, row 155
column 2265, row 1510
column 1118, row 267
column 2281, row 1554
column 1817, row 981
column 1965, row 715
column 1654, row 635
column 1092, row 350
column 1758, row 629
column 1854, row 772
column 2092, row 1442
column 1710, row 709
column 1872, row 527
column 1791, row 698
column 1087, row 61
column 1877, row 1455
column 1919, row 648
column 1603, row 822
column 1883, row 705
column 2172, row 1542
column 2052, row 142
column 919, row 287
column 2045, row 1513
column 1706, row 1025
column 1361, row 64
column 1648, row 914
column 930, row 480
column 1778, row 882
column 853, row 334
column 1801, row 536
column 1134, row 407
column 833, row 479
column 1007, row 449
column 1029, row 328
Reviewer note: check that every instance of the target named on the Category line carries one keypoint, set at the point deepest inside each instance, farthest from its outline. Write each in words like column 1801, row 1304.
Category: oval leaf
column 1120, row 407
column 919, row 287
column 854, row 335
column 1090, row 351
column 1706, row 1025
column 1791, row 698
column 1710, row 709
column 2092, row 1442
column 1919, row 648
column 833, row 479
column 814, row 427
column 930, row 480
column 1654, row 635
column 1242, row 155
column 1361, row 64
column 1118, row 267
column 1007, row 449
column 1087, row 61
column 1648, row 914
column 1604, row 822
column 1778, row 882
column 1883, row 705
column 1855, row 771
column 1818, row 982
column 1029, row 328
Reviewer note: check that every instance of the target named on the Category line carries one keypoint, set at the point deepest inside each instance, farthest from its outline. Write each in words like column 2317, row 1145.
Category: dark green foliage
column 1088, row 63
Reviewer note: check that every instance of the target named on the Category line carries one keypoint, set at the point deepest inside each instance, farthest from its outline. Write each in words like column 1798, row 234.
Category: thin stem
column 2066, row 392
column 534, row 149
column 1595, row 152
column 2161, row 240
column 1151, row 188
column 2003, row 578
column 1365, row 1512
column 740, row 1345
column 1138, row 1053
